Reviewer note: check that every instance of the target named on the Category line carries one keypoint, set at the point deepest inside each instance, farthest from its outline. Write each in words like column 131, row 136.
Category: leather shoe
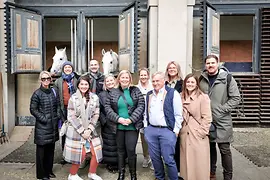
column 52, row 175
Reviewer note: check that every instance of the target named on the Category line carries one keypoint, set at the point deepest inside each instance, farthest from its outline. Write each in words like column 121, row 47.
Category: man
column 164, row 117
column 224, row 94
column 97, row 78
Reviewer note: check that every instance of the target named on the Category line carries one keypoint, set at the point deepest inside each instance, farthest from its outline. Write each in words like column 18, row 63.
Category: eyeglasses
column 46, row 79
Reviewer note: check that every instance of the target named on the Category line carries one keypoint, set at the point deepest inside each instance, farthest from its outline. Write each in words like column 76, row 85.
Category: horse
column 110, row 62
column 58, row 60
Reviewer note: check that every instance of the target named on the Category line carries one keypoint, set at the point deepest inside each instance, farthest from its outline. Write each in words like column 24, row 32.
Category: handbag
column 212, row 132
column 64, row 128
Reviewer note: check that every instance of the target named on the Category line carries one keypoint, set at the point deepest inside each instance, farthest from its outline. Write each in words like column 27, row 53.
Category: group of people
column 104, row 116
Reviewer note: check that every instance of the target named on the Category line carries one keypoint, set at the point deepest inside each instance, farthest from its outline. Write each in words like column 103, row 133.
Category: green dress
column 123, row 110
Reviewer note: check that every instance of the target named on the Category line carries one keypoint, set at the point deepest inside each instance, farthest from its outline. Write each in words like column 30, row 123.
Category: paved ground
column 244, row 169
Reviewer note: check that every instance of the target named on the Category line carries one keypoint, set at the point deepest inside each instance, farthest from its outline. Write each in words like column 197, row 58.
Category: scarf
column 68, row 78
column 143, row 90
column 84, row 109
column 94, row 77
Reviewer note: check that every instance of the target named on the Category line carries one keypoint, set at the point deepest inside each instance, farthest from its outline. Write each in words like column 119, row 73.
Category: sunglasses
column 46, row 79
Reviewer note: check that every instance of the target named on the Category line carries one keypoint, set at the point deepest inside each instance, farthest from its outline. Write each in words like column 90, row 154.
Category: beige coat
column 194, row 147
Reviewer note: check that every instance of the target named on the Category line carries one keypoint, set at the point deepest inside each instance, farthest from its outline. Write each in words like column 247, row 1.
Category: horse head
column 58, row 59
column 109, row 62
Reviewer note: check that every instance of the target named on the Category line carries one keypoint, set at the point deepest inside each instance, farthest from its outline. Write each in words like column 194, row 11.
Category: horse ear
column 56, row 50
column 64, row 49
column 111, row 51
column 103, row 51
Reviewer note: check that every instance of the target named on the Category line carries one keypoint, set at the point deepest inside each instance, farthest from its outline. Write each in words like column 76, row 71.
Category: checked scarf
column 68, row 78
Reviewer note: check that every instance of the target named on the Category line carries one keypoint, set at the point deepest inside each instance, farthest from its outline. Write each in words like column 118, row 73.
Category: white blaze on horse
column 58, row 60
column 110, row 62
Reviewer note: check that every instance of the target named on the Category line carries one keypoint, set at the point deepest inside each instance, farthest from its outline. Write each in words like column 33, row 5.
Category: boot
column 132, row 162
column 121, row 166
column 121, row 175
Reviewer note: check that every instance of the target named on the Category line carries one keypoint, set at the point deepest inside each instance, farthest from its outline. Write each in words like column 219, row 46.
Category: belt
column 158, row 126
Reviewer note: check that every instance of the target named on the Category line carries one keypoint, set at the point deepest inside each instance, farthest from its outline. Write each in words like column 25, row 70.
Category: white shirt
column 156, row 110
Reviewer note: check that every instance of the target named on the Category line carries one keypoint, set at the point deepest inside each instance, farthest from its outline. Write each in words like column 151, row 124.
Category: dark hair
column 87, row 79
column 197, row 89
column 211, row 56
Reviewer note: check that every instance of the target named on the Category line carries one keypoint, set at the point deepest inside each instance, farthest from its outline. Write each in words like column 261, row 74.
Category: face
column 83, row 86
column 144, row 77
column 124, row 80
column 211, row 66
column 94, row 66
column 158, row 82
column 172, row 70
column 109, row 82
column 191, row 84
column 45, row 80
column 67, row 69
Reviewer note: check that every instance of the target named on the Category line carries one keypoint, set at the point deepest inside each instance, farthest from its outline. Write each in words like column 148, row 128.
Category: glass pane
column 32, row 33
column 122, row 34
column 18, row 31
column 128, row 30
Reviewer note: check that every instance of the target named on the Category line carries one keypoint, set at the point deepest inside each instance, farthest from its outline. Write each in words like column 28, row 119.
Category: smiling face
column 67, row 69
column 158, row 82
column 191, row 84
column 211, row 66
column 45, row 80
column 124, row 80
column 94, row 66
column 172, row 70
column 83, row 86
column 110, row 82
column 144, row 77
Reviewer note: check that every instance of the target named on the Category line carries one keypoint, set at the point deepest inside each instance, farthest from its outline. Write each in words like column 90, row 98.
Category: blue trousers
column 161, row 143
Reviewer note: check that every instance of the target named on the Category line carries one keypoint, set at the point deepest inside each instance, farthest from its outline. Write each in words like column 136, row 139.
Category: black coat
column 135, row 112
column 178, row 85
column 99, row 82
column 45, row 107
column 109, row 149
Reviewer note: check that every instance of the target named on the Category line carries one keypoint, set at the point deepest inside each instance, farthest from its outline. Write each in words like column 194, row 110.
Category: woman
column 194, row 154
column 174, row 80
column 66, row 86
column 125, row 107
column 81, row 136
column 145, row 86
column 109, row 149
column 44, row 107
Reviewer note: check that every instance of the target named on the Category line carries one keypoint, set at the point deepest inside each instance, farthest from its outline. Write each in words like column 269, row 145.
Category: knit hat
column 67, row 63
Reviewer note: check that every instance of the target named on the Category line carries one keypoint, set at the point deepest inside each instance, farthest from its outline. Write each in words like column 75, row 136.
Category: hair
column 120, row 74
column 179, row 72
column 158, row 73
column 44, row 72
column 211, row 56
column 106, row 77
column 87, row 93
column 197, row 90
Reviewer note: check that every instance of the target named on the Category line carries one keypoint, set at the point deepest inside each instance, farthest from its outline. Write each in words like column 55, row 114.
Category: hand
column 128, row 121
column 122, row 121
column 176, row 134
column 86, row 134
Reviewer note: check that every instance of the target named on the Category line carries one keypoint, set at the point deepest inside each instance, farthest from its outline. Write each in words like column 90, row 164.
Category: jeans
column 226, row 159
column 161, row 144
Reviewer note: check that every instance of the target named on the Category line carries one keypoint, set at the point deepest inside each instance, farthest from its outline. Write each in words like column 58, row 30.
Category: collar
column 161, row 91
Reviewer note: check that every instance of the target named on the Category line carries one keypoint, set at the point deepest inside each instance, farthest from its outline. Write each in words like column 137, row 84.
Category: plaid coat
column 74, row 141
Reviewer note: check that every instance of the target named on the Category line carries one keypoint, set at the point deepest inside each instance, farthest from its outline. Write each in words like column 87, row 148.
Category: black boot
column 121, row 175
column 121, row 166
column 132, row 162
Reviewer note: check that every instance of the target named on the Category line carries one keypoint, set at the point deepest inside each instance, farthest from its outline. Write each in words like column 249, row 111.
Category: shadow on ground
column 254, row 144
column 27, row 152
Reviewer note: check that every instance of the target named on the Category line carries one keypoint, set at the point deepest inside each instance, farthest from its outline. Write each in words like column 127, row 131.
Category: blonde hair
column 44, row 72
column 120, row 74
column 106, row 77
column 179, row 72
column 144, row 69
